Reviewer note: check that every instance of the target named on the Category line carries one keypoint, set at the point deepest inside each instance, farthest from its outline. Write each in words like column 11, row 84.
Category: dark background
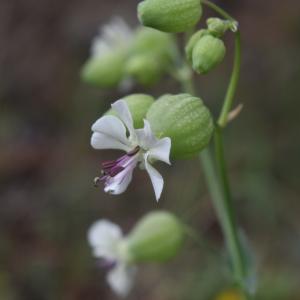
column 47, row 165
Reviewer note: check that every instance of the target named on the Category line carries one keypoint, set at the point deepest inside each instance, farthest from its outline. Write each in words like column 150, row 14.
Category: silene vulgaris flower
column 141, row 146
column 108, row 244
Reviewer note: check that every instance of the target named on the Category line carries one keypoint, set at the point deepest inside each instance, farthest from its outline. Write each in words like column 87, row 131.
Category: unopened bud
column 149, row 40
column 104, row 71
column 170, row 15
column 146, row 69
column 218, row 27
column 192, row 42
column 208, row 52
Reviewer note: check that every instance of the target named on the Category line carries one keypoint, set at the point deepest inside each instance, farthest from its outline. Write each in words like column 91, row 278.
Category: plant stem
column 227, row 104
column 218, row 9
column 227, row 215
column 220, row 192
column 235, row 75
column 228, row 222
column 217, row 180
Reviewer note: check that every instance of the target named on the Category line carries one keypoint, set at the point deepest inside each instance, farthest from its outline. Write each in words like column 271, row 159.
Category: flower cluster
column 182, row 122
column 146, row 129
column 121, row 55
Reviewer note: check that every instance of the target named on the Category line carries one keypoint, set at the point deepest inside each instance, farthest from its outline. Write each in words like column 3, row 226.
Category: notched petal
column 145, row 136
column 104, row 236
column 161, row 150
column 109, row 133
column 124, row 114
column 121, row 279
column 156, row 178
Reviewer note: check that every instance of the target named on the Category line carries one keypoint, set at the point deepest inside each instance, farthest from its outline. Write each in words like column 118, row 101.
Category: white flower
column 112, row 36
column 142, row 148
column 106, row 240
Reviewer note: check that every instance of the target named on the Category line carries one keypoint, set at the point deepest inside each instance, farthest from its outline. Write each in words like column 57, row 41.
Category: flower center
column 114, row 172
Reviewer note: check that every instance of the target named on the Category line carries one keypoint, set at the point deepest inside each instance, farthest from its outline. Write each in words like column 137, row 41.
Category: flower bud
column 157, row 237
column 104, row 71
column 145, row 68
column 218, row 27
column 138, row 105
column 148, row 40
column 208, row 52
column 170, row 15
column 152, row 53
column 192, row 42
column 184, row 119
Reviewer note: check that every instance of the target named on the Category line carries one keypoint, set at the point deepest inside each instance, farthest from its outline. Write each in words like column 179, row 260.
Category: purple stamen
column 114, row 172
column 108, row 164
column 112, row 168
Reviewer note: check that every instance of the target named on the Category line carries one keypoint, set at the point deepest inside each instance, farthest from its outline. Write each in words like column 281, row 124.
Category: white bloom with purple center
column 108, row 244
column 141, row 145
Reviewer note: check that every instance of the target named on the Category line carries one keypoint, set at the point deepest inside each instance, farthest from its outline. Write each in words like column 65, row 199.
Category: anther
column 96, row 181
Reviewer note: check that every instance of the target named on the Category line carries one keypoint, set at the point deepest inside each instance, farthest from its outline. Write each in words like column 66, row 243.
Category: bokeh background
column 47, row 165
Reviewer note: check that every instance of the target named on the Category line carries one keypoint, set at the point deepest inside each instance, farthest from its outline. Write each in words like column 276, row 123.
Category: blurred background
column 47, row 165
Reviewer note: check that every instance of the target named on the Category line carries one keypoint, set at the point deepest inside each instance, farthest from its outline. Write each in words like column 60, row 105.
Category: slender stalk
column 225, row 213
column 227, row 216
column 235, row 75
column 218, row 9
column 220, row 192
column 217, row 180
column 227, row 104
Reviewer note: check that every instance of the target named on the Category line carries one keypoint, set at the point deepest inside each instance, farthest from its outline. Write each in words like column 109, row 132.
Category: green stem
column 228, row 220
column 235, row 75
column 218, row 9
column 227, row 104
column 221, row 197
column 217, row 181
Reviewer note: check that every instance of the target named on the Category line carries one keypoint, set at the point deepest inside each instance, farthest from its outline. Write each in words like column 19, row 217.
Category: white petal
column 113, row 36
column 102, row 141
column 123, row 112
column 119, row 183
column 145, row 136
column 156, row 178
column 104, row 237
column 161, row 150
column 109, row 133
column 121, row 279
